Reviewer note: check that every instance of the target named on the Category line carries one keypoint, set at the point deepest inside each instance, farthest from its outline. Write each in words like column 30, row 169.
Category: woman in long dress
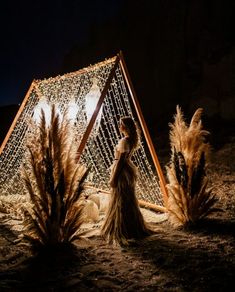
column 124, row 221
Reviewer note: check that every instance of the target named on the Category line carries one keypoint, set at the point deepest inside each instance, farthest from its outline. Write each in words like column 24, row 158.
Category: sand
column 197, row 259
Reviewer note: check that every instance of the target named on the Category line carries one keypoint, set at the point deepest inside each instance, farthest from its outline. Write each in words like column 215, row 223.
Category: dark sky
column 37, row 35
column 177, row 51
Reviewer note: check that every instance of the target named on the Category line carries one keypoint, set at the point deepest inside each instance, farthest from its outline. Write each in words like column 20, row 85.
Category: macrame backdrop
column 98, row 153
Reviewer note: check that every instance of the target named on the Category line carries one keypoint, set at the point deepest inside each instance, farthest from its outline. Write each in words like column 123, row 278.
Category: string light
column 91, row 100
column 71, row 92
column 73, row 110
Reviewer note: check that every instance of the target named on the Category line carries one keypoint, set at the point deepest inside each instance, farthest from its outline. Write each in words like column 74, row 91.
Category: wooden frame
column 142, row 203
column 144, row 128
column 17, row 116
column 120, row 59
column 97, row 109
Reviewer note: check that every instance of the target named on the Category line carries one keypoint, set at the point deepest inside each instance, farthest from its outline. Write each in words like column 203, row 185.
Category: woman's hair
column 132, row 130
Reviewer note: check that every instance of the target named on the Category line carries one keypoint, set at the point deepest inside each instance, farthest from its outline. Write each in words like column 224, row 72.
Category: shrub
column 190, row 199
column 54, row 182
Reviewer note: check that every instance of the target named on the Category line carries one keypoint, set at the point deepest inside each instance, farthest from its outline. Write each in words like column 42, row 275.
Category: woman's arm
column 117, row 169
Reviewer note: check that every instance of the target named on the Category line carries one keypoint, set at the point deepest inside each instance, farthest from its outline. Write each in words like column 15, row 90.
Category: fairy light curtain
column 73, row 90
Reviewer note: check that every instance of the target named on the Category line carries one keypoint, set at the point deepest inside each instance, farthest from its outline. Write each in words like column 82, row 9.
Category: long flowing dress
column 124, row 221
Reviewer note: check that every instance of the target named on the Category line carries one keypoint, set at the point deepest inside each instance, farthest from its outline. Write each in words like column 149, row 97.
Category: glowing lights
column 91, row 100
column 73, row 110
column 42, row 105
column 78, row 93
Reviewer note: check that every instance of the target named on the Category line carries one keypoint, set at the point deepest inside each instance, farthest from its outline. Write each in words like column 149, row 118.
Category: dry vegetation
column 54, row 182
column 200, row 258
column 190, row 199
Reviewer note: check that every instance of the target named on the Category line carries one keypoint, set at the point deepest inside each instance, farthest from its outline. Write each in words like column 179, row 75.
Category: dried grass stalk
column 189, row 199
column 54, row 182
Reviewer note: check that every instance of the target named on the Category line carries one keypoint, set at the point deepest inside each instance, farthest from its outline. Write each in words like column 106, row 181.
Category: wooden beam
column 142, row 203
column 150, row 206
column 96, row 111
column 144, row 128
column 17, row 117
column 78, row 72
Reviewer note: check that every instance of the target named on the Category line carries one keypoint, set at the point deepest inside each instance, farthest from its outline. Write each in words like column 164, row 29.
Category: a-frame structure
column 96, row 139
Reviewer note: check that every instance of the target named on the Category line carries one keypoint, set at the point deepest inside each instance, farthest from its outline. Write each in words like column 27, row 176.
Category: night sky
column 177, row 52
column 37, row 35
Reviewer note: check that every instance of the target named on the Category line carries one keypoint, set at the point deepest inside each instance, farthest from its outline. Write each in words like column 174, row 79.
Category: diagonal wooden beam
column 144, row 128
column 17, row 116
column 96, row 111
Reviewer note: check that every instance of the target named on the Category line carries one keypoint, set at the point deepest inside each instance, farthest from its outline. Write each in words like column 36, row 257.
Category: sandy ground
column 199, row 259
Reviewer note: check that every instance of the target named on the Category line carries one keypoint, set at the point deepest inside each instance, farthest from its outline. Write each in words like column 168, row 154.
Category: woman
column 124, row 220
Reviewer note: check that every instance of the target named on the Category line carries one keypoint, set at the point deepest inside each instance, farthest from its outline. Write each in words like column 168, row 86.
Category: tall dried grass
column 190, row 199
column 54, row 182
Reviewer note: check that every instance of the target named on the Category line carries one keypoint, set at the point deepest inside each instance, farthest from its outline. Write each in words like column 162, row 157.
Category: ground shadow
column 48, row 269
column 192, row 261
column 52, row 268
column 212, row 226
